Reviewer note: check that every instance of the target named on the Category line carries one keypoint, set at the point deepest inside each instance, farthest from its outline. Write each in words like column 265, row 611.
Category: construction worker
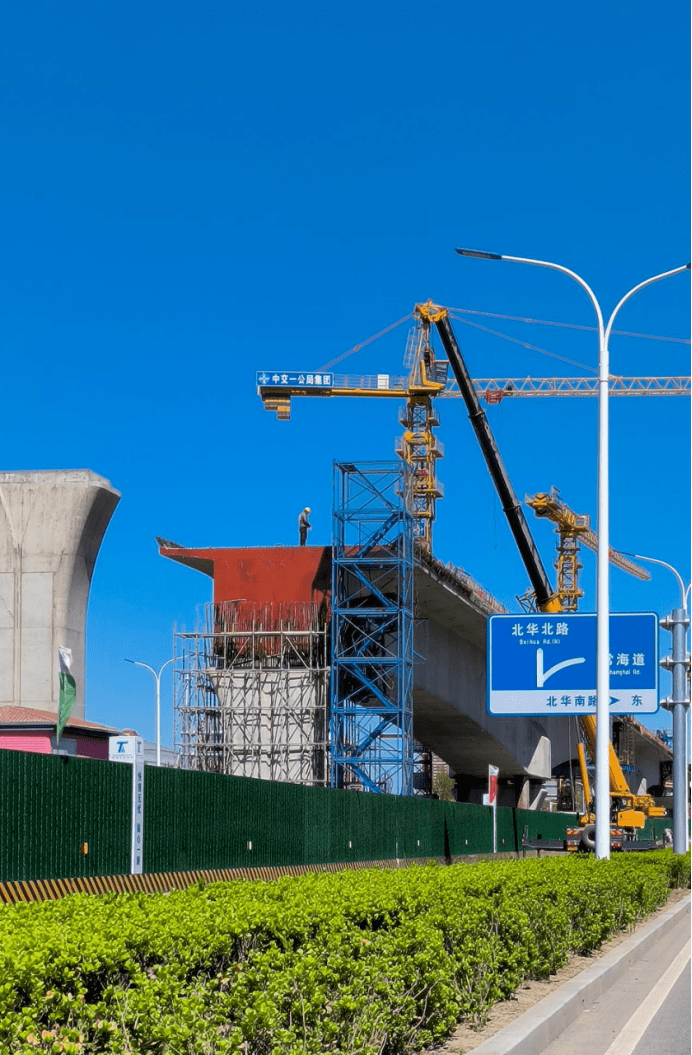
column 304, row 525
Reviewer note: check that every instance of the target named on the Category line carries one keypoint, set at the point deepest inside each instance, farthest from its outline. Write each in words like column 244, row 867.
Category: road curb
column 531, row 1032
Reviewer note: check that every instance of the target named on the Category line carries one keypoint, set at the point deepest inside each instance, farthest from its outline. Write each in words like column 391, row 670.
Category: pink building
column 28, row 729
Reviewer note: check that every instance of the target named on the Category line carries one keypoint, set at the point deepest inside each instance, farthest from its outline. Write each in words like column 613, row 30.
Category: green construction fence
column 66, row 817
column 53, row 807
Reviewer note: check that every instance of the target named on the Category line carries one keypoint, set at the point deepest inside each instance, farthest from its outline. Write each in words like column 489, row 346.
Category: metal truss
column 371, row 740
column 492, row 389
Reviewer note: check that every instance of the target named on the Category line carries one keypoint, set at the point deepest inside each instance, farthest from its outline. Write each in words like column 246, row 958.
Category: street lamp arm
column 542, row 263
column 138, row 664
column 572, row 274
column 635, row 289
column 665, row 564
column 147, row 667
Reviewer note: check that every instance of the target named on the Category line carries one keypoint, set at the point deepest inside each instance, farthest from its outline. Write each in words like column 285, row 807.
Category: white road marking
column 628, row 1038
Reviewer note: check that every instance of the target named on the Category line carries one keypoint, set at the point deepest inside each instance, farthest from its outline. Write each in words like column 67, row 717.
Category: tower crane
column 427, row 380
column 572, row 530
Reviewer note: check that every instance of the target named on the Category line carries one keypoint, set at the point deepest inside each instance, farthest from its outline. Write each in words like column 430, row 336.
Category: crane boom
column 573, row 529
column 552, row 507
column 510, row 503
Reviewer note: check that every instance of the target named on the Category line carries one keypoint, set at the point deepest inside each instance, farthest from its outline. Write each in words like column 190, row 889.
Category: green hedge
column 366, row 961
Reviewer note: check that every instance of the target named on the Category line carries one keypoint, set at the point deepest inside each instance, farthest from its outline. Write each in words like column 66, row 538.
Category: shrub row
column 360, row 962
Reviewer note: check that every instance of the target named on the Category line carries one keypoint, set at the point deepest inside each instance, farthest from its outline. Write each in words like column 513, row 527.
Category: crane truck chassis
column 581, row 839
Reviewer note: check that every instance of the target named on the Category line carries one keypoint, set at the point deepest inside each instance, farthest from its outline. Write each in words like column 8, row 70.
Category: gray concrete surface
column 449, row 691
column 553, row 1024
column 51, row 527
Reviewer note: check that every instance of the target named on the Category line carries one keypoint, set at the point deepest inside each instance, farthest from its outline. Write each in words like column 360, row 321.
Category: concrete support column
column 51, row 528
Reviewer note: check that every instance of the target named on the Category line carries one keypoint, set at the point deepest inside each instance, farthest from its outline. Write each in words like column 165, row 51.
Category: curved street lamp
column 602, row 572
column 157, row 676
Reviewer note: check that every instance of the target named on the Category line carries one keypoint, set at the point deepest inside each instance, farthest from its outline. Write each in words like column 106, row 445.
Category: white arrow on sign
column 542, row 676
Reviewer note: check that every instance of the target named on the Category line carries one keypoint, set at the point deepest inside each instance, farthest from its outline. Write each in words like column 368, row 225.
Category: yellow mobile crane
column 629, row 812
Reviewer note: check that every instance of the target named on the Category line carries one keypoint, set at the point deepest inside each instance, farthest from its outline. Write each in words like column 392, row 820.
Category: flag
column 493, row 773
column 68, row 691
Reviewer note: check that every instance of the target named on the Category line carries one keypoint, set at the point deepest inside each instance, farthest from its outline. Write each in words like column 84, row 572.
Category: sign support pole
column 137, row 842
column 130, row 749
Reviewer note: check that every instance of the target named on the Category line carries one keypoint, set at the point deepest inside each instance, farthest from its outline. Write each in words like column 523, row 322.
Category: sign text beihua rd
column 546, row 664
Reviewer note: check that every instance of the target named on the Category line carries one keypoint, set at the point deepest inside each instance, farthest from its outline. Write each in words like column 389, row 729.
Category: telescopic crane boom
column 546, row 598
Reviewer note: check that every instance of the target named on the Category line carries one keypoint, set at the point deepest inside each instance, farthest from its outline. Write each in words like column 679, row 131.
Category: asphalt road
column 669, row 1032
column 646, row 1012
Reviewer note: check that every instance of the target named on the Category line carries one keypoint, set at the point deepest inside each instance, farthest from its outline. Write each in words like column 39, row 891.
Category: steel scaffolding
column 371, row 724
column 251, row 692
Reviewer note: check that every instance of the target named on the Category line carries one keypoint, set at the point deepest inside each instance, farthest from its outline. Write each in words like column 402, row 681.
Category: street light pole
column 603, row 566
column 157, row 677
column 677, row 622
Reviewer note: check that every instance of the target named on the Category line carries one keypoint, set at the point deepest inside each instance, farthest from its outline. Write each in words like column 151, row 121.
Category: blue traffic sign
column 546, row 664
column 294, row 379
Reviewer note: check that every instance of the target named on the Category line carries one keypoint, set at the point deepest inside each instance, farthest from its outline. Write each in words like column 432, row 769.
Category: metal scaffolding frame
column 371, row 721
column 251, row 691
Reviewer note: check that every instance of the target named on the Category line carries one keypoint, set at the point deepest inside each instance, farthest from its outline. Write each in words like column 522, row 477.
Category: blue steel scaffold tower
column 372, row 744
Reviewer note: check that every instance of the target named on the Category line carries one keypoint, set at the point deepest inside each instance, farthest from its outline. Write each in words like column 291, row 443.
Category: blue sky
column 195, row 192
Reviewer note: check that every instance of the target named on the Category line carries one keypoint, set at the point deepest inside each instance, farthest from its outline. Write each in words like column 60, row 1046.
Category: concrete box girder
column 449, row 691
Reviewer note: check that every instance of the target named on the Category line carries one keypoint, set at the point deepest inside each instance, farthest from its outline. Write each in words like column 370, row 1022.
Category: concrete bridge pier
column 51, row 527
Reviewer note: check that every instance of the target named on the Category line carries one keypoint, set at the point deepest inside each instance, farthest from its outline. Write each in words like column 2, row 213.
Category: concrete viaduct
column 449, row 697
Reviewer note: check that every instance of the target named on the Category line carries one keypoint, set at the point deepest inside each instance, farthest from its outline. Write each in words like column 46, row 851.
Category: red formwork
column 262, row 575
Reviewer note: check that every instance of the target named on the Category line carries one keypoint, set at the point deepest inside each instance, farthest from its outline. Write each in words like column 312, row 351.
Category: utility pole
column 678, row 662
